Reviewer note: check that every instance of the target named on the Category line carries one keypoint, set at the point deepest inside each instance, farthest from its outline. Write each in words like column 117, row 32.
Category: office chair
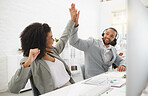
column 34, row 89
column 83, row 70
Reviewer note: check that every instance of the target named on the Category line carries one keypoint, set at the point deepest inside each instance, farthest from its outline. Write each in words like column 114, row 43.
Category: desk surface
column 81, row 89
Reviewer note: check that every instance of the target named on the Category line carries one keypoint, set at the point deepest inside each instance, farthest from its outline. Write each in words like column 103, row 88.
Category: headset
column 114, row 42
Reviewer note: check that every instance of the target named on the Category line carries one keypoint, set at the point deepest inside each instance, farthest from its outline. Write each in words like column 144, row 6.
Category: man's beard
column 106, row 43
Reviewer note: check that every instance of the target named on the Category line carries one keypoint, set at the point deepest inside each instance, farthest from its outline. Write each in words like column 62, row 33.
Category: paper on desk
column 98, row 81
column 104, row 81
column 117, row 82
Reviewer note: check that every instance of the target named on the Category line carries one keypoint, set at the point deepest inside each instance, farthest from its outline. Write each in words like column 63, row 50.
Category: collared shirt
column 108, row 54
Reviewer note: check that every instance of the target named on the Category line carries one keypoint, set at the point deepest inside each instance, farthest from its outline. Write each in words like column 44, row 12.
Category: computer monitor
column 137, row 68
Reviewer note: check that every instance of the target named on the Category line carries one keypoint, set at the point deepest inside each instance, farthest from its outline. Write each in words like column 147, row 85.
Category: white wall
column 15, row 15
column 137, row 48
column 106, row 9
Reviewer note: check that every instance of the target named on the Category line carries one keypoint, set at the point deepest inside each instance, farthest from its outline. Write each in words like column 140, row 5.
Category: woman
column 42, row 61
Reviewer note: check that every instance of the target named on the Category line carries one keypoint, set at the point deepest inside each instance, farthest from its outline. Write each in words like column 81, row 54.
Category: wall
column 15, row 15
column 106, row 9
column 137, row 48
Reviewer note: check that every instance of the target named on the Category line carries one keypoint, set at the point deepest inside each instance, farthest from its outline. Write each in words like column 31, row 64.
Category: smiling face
column 49, row 41
column 109, row 36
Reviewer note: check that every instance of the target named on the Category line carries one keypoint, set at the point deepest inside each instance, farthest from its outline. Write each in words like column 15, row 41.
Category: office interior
column 129, row 17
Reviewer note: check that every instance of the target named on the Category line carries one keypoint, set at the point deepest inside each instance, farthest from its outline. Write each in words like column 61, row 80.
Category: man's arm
column 120, row 63
column 77, row 42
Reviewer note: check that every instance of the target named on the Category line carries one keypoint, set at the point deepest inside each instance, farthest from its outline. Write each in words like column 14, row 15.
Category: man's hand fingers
column 78, row 14
column 121, row 68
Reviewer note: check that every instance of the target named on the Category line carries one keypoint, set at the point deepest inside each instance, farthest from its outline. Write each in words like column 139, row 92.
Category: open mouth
column 107, row 40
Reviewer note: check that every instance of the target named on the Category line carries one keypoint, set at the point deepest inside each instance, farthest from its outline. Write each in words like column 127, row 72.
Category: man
column 99, row 54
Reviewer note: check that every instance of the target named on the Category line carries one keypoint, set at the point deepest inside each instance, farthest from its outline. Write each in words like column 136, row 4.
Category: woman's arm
column 19, row 80
column 64, row 38
column 66, row 34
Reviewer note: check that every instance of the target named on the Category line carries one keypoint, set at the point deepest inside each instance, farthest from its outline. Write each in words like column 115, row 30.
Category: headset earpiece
column 102, row 34
column 114, row 42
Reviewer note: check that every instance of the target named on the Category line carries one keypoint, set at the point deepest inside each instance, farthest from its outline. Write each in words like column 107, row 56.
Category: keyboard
column 95, row 91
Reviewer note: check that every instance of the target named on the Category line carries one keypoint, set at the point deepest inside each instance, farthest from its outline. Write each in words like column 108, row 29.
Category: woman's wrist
column 27, row 64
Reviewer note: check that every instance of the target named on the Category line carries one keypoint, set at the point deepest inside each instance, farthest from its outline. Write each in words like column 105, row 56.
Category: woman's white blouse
column 58, row 73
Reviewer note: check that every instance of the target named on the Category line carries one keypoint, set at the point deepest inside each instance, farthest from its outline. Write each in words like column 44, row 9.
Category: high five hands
column 74, row 14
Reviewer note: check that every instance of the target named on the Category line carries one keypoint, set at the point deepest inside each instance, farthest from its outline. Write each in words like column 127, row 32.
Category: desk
column 81, row 89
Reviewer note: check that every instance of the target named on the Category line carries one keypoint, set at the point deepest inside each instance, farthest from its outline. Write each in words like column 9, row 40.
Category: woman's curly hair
column 34, row 36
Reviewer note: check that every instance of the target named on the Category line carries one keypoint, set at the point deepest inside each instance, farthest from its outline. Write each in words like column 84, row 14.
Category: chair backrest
column 83, row 70
column 34, row 89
